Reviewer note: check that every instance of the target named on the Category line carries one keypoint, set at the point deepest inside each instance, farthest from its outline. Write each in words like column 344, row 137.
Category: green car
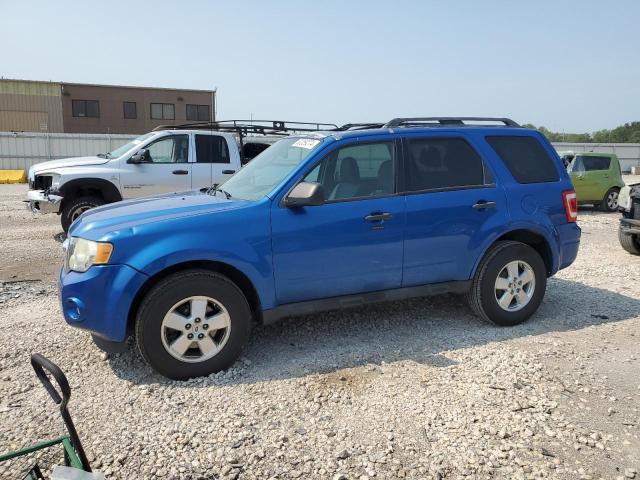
column 597, row 179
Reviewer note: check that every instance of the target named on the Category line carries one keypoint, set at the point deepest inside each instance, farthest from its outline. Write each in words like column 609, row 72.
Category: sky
column 570, row 65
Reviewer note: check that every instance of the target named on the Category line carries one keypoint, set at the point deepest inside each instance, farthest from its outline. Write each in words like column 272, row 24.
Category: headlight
column 81, row 254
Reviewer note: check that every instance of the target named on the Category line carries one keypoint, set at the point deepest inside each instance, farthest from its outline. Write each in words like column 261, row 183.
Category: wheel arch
column 90, row 186
column 238, row 277
column 529, row 236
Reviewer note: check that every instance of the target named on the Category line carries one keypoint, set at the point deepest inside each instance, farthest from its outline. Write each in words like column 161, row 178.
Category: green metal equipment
column 37, row 461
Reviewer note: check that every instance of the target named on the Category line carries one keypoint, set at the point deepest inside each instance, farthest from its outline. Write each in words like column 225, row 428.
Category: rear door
column 212, row 162
column 452, row 203
column 591, row 177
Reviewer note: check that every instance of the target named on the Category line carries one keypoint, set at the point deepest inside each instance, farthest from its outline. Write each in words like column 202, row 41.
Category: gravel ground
column 413, row 389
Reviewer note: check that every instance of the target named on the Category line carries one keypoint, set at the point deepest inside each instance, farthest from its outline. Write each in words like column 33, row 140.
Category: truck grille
column 42, row 183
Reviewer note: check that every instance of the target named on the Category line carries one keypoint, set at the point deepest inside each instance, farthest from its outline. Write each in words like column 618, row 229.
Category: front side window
column 435, row 163
column 85, row 108
column 172, row 149
column 358, row 171
column 163, row 111
column 265, row 172
column 198, row 113
column 211, row 149
column 526, row 158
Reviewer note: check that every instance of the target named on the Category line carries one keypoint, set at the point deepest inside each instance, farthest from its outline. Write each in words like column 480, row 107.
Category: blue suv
column 321, row 221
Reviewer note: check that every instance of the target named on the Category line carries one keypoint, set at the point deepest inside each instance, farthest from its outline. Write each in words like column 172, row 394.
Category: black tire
column 482, row 294
column 631, row 243
column 71, row 209
column 604, row 205
column 171, row 291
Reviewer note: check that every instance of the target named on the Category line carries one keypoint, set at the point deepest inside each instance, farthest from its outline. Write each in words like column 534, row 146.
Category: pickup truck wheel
column 193, row 323
column 76, row 207
column 610, row 200
column 631, row 243
column 509, row 284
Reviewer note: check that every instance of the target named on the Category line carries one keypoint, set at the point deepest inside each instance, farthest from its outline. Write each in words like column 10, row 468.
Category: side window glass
column 592, row 164
column 442, row 163
column 357, row 171
column 211, row 149
column 173, row 149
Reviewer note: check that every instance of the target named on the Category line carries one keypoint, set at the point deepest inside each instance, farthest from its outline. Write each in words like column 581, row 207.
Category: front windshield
column 128, row 146
column 268, row 169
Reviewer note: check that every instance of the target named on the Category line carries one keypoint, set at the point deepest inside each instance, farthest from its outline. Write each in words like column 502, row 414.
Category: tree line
column 627, row 133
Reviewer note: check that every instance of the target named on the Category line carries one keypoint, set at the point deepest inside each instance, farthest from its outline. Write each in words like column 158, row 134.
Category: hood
column 110, row 219
column 68, row 162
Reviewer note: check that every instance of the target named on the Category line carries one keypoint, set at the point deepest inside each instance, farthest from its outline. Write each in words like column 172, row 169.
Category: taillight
column 570, row 202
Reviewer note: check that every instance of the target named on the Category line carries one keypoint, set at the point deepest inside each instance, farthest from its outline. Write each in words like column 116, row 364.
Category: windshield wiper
column 104, row 155
column 214, row 188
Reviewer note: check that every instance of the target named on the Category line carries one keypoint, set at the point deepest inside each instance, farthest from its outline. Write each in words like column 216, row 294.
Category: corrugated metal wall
column 628, row 153
column 30, row 106
column 21, row 150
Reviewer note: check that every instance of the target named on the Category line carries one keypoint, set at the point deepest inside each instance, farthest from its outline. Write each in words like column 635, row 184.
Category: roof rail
column 258, row 127
column 459, row 121
column 359, row 126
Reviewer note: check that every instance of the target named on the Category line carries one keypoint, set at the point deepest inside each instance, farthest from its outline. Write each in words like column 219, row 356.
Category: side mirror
column 141, row 156
column 305, row 194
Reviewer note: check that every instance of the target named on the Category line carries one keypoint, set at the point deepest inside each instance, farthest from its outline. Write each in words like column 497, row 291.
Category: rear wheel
column 193, row 323
column 631, row 243
column 509, row 284
column 610, row 200
column 72, row 209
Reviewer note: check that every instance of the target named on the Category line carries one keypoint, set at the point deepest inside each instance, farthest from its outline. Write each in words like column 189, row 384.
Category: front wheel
column 509, row 284
column 610, row 200
column 193, row 323
column 73, row 208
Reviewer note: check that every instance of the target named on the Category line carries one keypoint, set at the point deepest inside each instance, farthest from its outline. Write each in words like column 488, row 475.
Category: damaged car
column 629, row 230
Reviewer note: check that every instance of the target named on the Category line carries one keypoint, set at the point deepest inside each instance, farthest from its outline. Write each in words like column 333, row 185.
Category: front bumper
column 99, row 299
column 630, row 226
column 40, row 201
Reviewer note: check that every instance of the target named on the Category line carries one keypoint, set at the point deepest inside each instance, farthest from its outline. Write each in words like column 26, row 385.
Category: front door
column 352, row 243
column 452, row 202
column 167, row 169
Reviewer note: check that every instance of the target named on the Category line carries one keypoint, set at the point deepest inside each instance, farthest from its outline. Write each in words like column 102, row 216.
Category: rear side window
column 211, row 149
column 526, row 159
column 435, row 163
column 591, row 164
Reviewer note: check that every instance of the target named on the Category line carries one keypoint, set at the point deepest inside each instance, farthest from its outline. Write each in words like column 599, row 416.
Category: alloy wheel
column 515, row 285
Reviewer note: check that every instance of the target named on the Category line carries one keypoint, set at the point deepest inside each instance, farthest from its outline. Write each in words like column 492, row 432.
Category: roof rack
column 256, row 127
column 458, row 121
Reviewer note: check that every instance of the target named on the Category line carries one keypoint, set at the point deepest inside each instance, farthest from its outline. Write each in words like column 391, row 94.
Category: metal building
column 30, row 106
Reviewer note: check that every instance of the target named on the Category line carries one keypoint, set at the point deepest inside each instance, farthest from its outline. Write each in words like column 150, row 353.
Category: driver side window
column 356, row 171
column 172, row 149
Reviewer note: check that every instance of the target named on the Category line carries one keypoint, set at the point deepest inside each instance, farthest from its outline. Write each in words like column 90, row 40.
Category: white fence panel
column 18, row 151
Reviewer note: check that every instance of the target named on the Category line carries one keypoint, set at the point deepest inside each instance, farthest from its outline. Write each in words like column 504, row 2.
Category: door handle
column 378, row 217
column 228, row 172
column 483, row 204
column 180, row 172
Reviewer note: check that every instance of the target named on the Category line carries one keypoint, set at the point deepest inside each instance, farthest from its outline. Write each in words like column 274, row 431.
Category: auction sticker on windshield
column 307, row 143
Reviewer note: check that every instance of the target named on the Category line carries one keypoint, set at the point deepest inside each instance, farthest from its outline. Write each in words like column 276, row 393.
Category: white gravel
column 415, row 389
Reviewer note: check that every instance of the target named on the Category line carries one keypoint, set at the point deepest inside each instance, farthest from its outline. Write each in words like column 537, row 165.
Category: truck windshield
column 269, row 168
column 128, row 146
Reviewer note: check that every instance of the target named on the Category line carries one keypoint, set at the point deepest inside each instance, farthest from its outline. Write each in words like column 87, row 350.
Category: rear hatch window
column 526, row 158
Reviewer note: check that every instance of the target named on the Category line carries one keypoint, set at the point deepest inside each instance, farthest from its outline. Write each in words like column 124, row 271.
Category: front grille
column 42, row 182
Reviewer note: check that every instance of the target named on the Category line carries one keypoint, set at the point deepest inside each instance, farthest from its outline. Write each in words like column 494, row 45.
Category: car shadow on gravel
column 419, row 330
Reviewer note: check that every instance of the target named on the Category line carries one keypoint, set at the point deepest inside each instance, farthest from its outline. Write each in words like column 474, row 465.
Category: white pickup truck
column 169, row 159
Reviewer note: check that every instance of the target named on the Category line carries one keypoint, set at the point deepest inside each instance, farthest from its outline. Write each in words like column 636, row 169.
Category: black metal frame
column 456, row 121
